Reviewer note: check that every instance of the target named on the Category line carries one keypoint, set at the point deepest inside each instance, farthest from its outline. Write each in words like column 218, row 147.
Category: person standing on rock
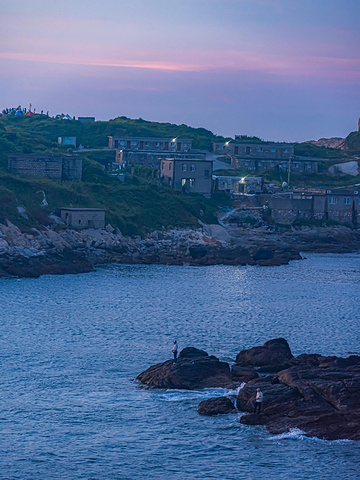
column 175, row 351
column 258, row 400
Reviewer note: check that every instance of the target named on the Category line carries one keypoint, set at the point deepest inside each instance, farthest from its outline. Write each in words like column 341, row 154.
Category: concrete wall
column 71, row 168
column 67, row 167
column 49, row 166
column 83, row 218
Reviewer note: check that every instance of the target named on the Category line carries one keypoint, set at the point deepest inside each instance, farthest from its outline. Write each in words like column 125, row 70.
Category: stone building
column 81, row 218
column 280, row 151
column 149, row 159
column 150, row 144
column 297, row 164
column 339, row 204
column 65, row 167
column 191, row 176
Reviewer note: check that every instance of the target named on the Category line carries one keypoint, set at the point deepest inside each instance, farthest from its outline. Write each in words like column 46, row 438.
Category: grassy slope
column 134, row 208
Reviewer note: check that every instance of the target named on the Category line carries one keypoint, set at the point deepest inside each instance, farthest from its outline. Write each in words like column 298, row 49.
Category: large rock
column 194, row 369
column 243, row 373
column 320, row 396
column 216, row 406
column 273, row 356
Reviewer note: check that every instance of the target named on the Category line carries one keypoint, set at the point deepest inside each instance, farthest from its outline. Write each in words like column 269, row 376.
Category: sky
column 283, row 70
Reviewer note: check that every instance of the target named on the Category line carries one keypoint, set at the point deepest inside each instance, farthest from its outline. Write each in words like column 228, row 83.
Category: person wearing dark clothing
column 175, row 351
column 258, row 400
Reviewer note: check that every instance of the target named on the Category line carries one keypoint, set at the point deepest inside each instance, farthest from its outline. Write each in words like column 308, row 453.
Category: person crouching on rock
column 175, row 351
column 258, row 400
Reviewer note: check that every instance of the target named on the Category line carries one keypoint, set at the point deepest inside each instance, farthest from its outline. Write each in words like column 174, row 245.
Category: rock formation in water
column 194, row 369
column 316, row 394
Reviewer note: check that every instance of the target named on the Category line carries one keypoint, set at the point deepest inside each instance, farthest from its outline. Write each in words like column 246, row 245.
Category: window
column 272, row 164
column 170, row 166
column 134, row 143
column 147, row 144
column 163, row 166
column 333, row 200
column 183, row 182
column 260, row 149
column 286, row 150
column 185, row 145
column 347, row 201
column 272, row 150
column 184, row 167
column 308, row 165
column 122, row 143
column 246, row 164
column 192, row 182
column 158, row 144
column 247, row 150
column 192, row 168
column 259, row 164
column 206, row 173
column 296, row 165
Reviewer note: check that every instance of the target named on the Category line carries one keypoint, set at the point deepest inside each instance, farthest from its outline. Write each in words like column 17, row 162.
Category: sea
column 71, row 347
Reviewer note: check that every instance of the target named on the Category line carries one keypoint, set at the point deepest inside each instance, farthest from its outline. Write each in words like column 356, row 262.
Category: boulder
column 194, row 369
column 243, row 373
column 216, row 406
column 273, row 356
column 321, row 401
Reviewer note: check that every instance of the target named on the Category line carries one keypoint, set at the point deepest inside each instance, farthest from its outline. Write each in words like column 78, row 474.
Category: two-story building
column 151, row 144
column 192, row 176
column 126, row 158
column 338, row 204
column 275, row 151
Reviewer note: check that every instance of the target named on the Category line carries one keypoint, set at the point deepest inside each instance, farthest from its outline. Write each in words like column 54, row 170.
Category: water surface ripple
column 72, row 345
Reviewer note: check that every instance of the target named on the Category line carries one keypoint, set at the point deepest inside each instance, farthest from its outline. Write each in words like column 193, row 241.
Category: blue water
column 72, row 345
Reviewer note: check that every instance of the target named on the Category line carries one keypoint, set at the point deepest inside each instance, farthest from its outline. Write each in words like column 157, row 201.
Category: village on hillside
column 194, row 171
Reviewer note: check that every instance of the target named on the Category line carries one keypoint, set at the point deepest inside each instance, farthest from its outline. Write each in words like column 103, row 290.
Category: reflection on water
column 72, row 345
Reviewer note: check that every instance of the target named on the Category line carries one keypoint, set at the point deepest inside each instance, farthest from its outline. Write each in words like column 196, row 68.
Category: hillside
column 134, row 208
column 41, row 132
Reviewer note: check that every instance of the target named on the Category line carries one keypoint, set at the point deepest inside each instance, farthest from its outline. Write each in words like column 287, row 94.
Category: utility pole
column 289, row 168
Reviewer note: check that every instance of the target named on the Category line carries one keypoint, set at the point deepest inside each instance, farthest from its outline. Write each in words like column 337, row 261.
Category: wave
column 297, row 434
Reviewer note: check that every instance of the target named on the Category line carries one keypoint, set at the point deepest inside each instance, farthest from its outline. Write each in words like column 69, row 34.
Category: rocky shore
column 56, row 249
column 318, row 395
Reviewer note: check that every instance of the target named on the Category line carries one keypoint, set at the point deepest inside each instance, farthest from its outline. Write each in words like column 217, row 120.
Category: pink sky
column 279, row 69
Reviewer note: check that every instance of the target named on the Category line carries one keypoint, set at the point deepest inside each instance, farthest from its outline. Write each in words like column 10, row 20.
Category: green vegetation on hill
column 307, row 149
column 40, row 132
column 136, row 208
